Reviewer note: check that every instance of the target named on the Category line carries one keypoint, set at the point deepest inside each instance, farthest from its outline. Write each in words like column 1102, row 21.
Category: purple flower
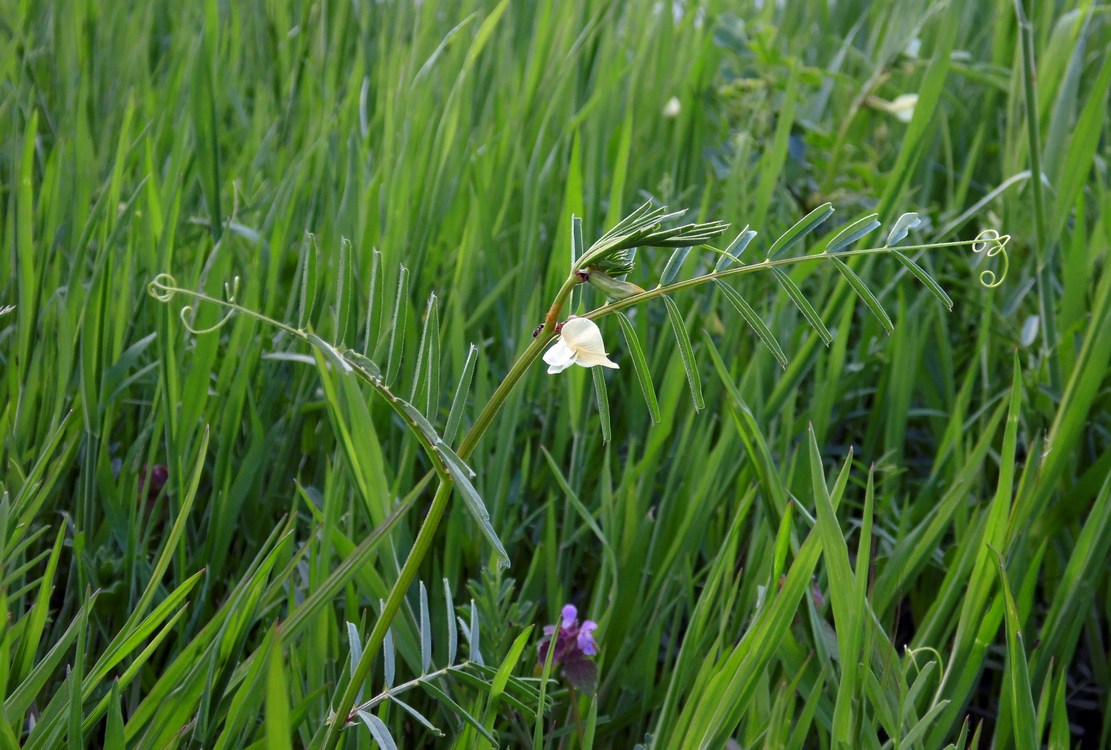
column 586, row 638
column 573, row 644
column 152, row 480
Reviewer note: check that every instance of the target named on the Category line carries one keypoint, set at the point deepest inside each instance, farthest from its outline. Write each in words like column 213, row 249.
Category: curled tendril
column 163, row 287
column 991, row 243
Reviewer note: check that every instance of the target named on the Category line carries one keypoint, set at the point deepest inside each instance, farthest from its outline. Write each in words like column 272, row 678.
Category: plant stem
column 392, row 605
column 435, row 514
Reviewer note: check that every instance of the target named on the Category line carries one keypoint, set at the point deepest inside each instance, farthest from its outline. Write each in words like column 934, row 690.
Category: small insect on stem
column 583, row 274
column 536, row 331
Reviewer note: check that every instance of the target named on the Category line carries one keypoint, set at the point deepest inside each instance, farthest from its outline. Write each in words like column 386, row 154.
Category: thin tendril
column 187, row 311
column 163, row 288
column 991, row 243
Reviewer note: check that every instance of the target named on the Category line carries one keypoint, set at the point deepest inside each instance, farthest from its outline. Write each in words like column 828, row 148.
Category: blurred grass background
column 326, row 146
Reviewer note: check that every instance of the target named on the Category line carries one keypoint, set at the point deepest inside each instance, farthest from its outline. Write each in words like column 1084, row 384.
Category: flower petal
column 559, row 354
column 570, row 614
column 582, row 334
column 593, row 359
column 586, row 638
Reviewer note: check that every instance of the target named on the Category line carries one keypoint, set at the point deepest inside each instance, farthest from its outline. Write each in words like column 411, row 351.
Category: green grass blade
column 1018, row 681
column 277, row 699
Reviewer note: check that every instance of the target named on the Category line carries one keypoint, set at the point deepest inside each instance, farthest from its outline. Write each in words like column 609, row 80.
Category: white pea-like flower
column 902, row 106
column 580, row 343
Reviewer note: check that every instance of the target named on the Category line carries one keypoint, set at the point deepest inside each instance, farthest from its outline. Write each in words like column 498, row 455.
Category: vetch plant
column 604, row 264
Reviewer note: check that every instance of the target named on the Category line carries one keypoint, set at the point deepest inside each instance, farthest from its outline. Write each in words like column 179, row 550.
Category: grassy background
column 897, row 539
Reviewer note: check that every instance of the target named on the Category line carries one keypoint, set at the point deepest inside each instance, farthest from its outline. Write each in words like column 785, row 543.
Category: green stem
column 482, row 422
column 435, row 514
column 393, row 604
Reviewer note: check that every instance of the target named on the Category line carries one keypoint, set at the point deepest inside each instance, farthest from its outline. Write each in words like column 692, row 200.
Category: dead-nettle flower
column 152, row 480
column 574, row 643
column 580, row 343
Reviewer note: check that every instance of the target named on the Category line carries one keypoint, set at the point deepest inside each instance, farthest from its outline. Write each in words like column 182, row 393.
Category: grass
column 895, row 540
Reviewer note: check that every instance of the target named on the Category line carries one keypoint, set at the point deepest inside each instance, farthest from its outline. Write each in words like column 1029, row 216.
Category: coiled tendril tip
column 991, row 243
column 163, row 288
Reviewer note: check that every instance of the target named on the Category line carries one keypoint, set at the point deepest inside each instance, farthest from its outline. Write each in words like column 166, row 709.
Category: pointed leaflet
column 389, row 657
column 397, row 325
column 902, row 228
column 378, row 730
column 754, row 320
column 355, row 645
column 432, row 689
column 577, row 250
column 342, row 304
column 452, row 632
column 926, row 280
column 640, row 366
column 418, row 716
column 472, row 636
column 425, row 631
column 686, row 352
column 805, row 226
column 460, row 398
column 426, row 329
column 374, row 299
column 852, row 232
column 439, row 451
column 308, row 280
column 674, row 263
column 735, row 249
column 602, row 398
column 474, row 504
column 803, row 305
column 865, row 294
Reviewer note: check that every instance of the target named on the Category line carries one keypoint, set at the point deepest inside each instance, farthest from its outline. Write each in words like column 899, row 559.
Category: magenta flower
column 574, row 643
column 152, row 480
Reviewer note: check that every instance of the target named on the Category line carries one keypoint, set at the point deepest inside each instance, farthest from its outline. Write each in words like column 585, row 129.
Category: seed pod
column 611, row 287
